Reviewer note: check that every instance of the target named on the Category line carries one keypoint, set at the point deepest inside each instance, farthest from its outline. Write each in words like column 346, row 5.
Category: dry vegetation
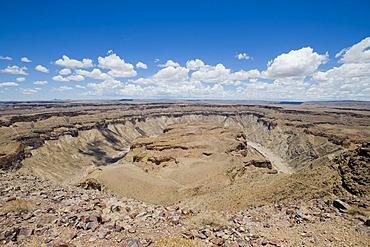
column 18, row 206
column 180, row 242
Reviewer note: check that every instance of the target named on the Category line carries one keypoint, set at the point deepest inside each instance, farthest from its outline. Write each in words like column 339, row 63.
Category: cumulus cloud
column 8, row 84
column 61, row 89
column 171, row 75
column 25, row 60
column 279, row 89
column 29, row 90
column 196, row 72
column 15, row 70
column 245, row 75
column 40, row 82
column 185, row 90
column 73, row 63
column 141, row 65
column 95, row 74
column 168, row 75
column 296, row 63
column 20, row 79
column 358, row 53
column 176, row 82
column 65, row 71
column 68, row 78
column 244, row 56
column 117, row 67
column 168, row 64
column 214, row 74
column 114, row 87
column 294, row 75
column 350, row 80
column 41, row 69
column 5, row 58
column 195, row 64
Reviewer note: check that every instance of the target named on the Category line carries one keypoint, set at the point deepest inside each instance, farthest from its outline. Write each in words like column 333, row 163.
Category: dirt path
column 277, row 162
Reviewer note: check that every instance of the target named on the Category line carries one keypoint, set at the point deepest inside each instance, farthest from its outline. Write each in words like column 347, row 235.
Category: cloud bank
column 297, row 74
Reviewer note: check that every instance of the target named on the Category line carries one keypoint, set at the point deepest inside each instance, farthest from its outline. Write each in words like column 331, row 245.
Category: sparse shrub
column 34, row 242
column 180, row 242
column 212, row 218
column 17, row 206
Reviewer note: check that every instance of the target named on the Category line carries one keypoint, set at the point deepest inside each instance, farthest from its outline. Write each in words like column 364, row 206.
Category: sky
column 221, row 50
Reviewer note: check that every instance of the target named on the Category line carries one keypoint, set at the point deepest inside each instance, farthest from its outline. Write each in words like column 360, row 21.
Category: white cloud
column 296, row 63
column 15, row 70
column 141, row 65
column 68, row 78
column 40, row 82
column 348, row 81
column 170, row 76
column 244, row 56
column 73, row 63
column 117, row 66
column 245, row 75
column 358, row 53
column 215, row 74
column 166, row 76
column 65, row 71
column 351, row 80
column 59, row 78
column 186, row 90
column 276, row 90
column 41, row 69
column 8, row 84
column 5, row 58
column 20, row 79
column 29, row 90
column 114, row 88
column 80, row 86
column 195, row 64
column 61, row 89
column 75, row 78
column 95, row 74
column 168, row 64
column 25, row 60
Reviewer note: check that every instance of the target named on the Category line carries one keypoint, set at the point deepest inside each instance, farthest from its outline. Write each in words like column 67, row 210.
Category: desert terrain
column 184, row 173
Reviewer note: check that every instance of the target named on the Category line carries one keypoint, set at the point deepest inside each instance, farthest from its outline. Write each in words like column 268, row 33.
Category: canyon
column 224, row 157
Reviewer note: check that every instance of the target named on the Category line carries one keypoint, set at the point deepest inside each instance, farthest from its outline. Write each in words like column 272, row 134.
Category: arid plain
column 185, row 173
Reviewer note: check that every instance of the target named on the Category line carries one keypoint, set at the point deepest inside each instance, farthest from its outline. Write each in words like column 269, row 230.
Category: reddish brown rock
column 217, row 241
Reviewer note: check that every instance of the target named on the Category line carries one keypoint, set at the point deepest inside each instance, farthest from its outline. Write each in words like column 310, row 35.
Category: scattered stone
column 339, row 204
column 25, row 231
column 103, row 232
column 242, row 243
column 218, row 241
column 106, row 220
column 132, row 243
column 304, row 216
column 91, row 226
column 367, row 222
column 60, row 244
column 274, row 242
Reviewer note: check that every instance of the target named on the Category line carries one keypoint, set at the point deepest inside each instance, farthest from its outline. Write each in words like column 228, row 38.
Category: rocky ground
column 36, row 212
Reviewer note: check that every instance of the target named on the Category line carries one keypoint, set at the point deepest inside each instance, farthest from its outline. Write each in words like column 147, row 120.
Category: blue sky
column 269, row 50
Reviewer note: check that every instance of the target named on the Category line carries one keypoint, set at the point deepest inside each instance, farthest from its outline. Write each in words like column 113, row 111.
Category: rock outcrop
column 354, row 169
